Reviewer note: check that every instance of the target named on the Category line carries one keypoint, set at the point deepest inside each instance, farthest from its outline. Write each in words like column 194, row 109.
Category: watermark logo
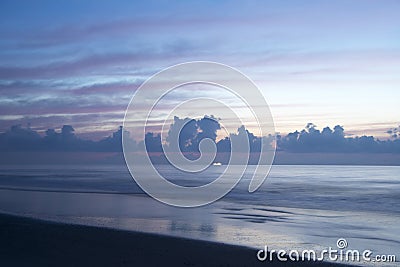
column 332, row 254
column 144, row 104
column 341, row 243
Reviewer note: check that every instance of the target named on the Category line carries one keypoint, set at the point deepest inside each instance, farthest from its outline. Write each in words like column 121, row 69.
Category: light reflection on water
column 298, row 207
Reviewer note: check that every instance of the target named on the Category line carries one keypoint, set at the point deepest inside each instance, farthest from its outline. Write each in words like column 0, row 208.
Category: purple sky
column 79, row 62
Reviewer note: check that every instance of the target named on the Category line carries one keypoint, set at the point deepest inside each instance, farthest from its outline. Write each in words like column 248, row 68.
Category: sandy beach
column 32, row 242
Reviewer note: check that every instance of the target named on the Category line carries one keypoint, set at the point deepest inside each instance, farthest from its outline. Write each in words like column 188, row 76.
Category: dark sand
column 31, row 242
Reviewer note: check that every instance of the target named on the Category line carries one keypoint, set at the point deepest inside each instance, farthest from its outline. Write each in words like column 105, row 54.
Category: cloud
column 190, row 132
column 312, row 140
column 78, row 67
column 394, row 132
column 18, row 138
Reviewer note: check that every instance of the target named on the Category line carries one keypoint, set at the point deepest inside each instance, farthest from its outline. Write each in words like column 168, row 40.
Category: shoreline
column 34, row 242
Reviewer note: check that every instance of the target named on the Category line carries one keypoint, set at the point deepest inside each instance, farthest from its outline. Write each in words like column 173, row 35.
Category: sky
column 79, row 62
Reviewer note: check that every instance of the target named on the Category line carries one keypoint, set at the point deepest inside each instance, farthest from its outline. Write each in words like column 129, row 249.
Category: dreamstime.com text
column 341, row 253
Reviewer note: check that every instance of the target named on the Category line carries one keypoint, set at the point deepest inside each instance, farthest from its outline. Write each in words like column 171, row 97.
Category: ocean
column 297, row 207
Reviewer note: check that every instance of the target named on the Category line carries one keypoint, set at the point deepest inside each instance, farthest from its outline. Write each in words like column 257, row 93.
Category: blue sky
column 79, row 62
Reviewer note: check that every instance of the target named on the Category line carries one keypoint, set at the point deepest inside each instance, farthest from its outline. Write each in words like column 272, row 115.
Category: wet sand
column 32, row 242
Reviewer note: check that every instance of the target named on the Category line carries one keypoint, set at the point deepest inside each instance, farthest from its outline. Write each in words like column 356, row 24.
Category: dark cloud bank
column 308, row 146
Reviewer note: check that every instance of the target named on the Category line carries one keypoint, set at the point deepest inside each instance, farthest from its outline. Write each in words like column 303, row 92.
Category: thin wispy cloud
column 342, row 56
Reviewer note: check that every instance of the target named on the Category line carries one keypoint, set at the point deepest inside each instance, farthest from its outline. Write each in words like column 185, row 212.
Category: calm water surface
column 298, row 207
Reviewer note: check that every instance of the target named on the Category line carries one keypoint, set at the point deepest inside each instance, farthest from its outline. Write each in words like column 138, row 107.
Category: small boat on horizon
column 217, row 164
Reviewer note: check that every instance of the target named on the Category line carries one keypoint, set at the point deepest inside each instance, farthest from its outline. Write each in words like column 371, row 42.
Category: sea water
column 297, row 207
